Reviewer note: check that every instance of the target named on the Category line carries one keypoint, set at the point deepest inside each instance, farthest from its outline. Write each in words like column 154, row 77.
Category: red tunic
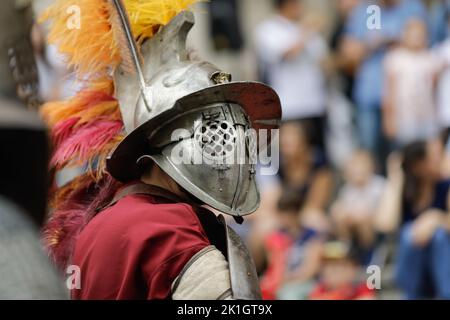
column 136, row 248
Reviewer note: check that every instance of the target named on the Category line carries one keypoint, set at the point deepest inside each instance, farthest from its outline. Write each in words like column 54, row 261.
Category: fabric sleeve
column 205, row 277
column 273, row 43
column 317, row 47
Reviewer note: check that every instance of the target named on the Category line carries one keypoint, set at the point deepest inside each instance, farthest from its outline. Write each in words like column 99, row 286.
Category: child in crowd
column 411, row 70
column 340, row 275
column 353, row 210
column 293, row 253
column 442, row 52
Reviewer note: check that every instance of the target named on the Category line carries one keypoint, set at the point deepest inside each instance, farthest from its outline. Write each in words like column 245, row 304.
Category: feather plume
column 81, row 30
column 93, row 49
column 65, row 192
column 62, row 131
column 86, row 143
column 87, row 127
column 98, row 92
column 127, row 47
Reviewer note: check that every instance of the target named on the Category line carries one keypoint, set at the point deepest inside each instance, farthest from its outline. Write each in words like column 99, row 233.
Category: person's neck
column 286, row 16
column 157, row 177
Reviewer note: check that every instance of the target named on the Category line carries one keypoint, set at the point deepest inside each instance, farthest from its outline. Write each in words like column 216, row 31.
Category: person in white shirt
column 353, row 211
column 291, row 57
column 411, row 71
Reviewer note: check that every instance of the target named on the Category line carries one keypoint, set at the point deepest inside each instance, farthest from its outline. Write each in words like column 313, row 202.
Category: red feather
column 63, row 130
column 62, row 230
column 86, row 142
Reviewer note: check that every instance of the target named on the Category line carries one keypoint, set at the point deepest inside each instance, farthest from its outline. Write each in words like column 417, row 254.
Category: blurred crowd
column 364, row 175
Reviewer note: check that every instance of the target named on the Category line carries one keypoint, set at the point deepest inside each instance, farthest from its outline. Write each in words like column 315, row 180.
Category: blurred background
column 360, row 206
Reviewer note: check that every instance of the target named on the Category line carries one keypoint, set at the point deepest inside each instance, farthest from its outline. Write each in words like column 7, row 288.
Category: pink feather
column 86, row 142
column 63, row 130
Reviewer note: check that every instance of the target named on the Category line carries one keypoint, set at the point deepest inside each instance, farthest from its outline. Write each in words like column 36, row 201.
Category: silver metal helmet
column 193, row 122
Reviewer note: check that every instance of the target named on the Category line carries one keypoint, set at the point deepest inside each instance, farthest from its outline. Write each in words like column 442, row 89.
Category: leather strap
column 142, row 188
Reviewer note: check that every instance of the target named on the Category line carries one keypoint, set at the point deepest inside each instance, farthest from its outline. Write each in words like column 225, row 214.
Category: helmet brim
column 260, row 102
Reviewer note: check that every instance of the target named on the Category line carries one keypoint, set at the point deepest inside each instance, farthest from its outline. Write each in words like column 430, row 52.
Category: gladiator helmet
column 188, row 117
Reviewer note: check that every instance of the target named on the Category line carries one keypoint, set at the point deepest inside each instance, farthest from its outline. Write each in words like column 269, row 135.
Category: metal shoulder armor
column 243, row 276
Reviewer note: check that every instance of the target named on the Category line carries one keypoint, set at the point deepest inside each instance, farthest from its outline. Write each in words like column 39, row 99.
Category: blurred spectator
column 442, row 53
column 293, row 253
column 354, row 209
column 292, row 55
column 443, row 88
column 302, row 169
column 340, row 275
column 366, row 48
column 409, row 107
column 57, row 81
column 416, row 203
column 225, row 25
column 341, row 139
column 437, row 21
column 344, row 67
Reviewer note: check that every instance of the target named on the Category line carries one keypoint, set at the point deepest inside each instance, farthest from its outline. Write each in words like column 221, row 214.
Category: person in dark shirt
column 293, row 253
column 416, row 204
column 305, row 169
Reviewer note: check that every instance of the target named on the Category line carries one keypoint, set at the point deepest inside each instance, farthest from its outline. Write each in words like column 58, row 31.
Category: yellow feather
column 93, row 49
